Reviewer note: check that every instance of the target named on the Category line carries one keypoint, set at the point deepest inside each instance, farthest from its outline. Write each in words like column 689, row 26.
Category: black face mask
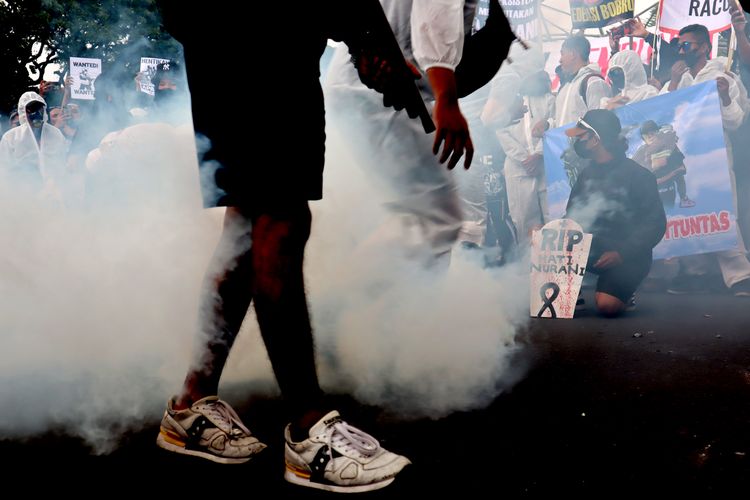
column 564, row 77
column 581, row 150
column 690, row 58
column 617, row 78
column 36, row 118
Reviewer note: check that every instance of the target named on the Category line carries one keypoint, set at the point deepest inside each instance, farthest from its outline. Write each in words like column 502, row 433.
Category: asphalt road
column 657, row 401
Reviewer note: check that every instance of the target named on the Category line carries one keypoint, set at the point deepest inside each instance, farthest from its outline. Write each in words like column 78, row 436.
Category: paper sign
column 148, row 70
column 84, row 71
column 559, row 252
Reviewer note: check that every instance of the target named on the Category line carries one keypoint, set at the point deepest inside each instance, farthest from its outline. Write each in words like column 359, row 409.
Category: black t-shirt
column 618, row 203
column 281, row 101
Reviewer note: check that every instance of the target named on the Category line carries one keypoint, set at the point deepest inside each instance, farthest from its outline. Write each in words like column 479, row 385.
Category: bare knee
column 609, row 305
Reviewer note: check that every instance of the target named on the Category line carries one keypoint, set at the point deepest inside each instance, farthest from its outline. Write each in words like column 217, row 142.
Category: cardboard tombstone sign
column 558, row 262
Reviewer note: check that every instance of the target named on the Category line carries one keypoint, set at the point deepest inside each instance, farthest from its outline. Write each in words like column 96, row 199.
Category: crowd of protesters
column 47, row 138
column 521, row 107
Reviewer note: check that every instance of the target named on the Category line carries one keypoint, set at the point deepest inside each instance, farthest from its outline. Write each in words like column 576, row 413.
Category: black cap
column 602, row 122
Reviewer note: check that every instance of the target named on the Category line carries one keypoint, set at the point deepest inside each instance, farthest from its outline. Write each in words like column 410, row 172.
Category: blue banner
column 679, row 137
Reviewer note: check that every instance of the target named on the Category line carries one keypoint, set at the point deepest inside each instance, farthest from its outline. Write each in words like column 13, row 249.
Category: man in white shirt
column 430, row 34
column 586, row 87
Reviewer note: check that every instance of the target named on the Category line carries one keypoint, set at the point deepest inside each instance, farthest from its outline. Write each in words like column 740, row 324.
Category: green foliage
column 119, row 32
column 25, row 28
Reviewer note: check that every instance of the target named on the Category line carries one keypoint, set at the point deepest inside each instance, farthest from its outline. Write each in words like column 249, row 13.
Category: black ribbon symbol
column 548, row 300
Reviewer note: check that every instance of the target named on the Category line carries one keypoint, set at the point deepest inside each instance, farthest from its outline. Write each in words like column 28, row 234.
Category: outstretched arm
column 437, row 38
column 451, row 124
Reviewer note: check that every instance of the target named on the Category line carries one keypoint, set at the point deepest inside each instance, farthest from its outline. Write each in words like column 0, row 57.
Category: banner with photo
column 600, row 13
column 713, row 14
column 680, row 138
column 523, row 16
column 84, row 71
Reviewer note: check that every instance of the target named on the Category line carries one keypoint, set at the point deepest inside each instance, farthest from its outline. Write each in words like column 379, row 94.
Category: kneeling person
column 617, row 201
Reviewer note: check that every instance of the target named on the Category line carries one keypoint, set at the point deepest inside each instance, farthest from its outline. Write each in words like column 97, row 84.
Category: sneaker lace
column 352, row 439
column 221, row 410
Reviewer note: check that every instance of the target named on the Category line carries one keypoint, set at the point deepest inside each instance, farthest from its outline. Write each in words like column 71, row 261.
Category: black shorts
column 623, row 280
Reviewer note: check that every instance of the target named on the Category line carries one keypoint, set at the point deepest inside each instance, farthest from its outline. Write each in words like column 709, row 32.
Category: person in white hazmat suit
column 524, row 162
column 628, row 79
column 430, row 34
column 32, row 155
column 695, row 68
column 586, row 88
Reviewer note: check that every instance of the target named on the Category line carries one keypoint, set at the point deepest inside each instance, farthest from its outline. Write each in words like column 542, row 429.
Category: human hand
column 617, row 101
column 654, row 82
column 539, row 128
column 533, row 164
column 722, row 84
column 637, row 28
column 378, row 73
column 453, row 130
column 738, row 17
column 45, row 87
column 608, row 259
column 678, row 69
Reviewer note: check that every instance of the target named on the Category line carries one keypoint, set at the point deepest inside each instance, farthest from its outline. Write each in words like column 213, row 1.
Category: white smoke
column 418, row 340
column 101, row 299
column 100, row 295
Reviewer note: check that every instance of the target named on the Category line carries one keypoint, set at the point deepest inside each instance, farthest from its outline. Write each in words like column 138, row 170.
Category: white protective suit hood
column 636, row 84
column 24, row 100
column 505, row 86
column 32, row 167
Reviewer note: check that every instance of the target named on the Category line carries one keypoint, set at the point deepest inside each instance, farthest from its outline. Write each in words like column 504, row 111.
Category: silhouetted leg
column 279, row 238
column 226, row 297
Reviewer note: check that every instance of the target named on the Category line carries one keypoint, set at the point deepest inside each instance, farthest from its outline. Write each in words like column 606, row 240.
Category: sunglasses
column 582, row 124
column 685, row 45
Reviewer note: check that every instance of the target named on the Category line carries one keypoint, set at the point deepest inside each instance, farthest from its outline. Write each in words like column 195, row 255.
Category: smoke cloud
column 101, row 290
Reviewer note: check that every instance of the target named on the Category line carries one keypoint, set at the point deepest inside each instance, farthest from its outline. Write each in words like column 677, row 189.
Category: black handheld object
column 484, row 52
column 377, row 39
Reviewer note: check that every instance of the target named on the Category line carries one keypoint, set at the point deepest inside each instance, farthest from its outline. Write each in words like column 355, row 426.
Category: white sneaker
column 341, row 458
column 210, row 429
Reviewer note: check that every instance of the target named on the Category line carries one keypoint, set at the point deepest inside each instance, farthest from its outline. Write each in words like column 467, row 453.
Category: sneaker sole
column 293, row 478
column 162, row 442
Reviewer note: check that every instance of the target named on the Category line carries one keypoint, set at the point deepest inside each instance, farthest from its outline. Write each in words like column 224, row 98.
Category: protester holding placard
column 617, row 201
column 740, row 144
column 694, row 68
